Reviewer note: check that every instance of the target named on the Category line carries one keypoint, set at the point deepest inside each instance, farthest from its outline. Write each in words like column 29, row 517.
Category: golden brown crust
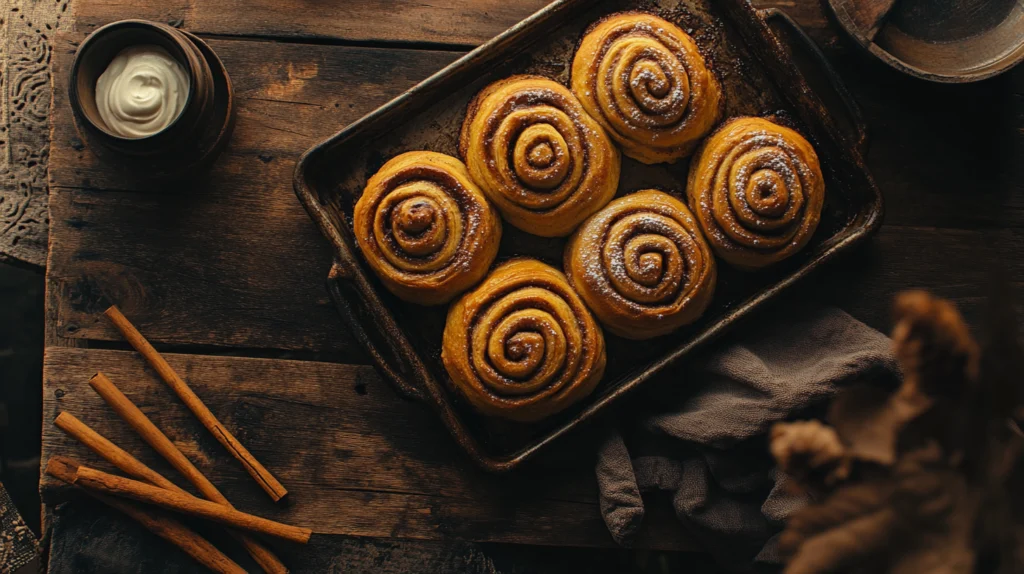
column 522, row 345
column 642, row 265
column 757, row 190
column 537, row 155
column 425, row 228
column 644, row 80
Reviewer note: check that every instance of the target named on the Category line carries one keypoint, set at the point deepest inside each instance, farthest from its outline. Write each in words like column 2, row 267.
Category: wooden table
column 226, row 274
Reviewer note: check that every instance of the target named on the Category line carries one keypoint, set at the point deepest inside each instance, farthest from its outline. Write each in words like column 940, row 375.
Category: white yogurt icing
column 141, row 92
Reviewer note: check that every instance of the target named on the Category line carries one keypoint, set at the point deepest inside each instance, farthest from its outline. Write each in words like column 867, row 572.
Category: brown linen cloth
column 707, row 447
column 18, row 545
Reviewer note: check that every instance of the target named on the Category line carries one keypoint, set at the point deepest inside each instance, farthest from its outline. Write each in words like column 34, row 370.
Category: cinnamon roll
column 522, row 345
column 537, row 155
column 757, row 190
column 643, row 79
column 425, row 228
column 642, row 265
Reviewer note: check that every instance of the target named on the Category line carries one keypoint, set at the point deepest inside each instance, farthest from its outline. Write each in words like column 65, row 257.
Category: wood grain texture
column 117, row 545
column 455, row 22
column 357, row 460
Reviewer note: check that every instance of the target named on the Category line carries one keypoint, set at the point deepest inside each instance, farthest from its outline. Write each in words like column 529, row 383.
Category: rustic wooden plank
column 455, row 22
column 958, row 264
column 355, row 459
column 458, row 22
column 461, row 23
column 231, row 259
column 255, row 284
column 117, row 545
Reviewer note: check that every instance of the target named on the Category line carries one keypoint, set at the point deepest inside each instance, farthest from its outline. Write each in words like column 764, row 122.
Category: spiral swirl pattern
column 425, row 228
column 643, row 79
column 522, row 345
column 757, row 190
column 642, row 266
column 537, row 155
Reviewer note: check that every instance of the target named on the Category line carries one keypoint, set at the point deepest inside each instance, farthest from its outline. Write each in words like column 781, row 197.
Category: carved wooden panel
column 25, row 32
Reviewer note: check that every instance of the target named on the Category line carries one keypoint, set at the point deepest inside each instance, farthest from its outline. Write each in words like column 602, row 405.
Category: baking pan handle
column 348, row 293
column 856, row 118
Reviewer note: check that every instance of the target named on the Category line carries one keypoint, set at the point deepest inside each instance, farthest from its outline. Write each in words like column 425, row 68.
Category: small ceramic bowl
column 192, row 139
column 952, row 41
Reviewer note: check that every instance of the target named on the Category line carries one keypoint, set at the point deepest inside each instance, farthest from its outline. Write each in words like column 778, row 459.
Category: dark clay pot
column 188, row 143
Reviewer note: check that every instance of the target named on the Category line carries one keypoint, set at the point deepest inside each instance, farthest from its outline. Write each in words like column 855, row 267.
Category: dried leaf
column 810, row 452
column 934, row 347
column 935, row 481
column 851, row 527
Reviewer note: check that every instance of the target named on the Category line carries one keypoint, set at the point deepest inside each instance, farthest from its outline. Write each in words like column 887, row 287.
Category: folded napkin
column 18, row 546
column 706, row 445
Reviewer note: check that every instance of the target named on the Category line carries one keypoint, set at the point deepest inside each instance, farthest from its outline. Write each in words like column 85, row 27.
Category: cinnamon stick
column 163, row 526
column 192, row 401
column 155, row 438
column 186, row 504
column 110, row 452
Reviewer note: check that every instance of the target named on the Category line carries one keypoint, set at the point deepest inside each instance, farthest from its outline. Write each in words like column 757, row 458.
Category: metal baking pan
column 762, row 73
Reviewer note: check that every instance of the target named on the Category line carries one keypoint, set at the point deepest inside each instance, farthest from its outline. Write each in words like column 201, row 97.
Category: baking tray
column 762, row 74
